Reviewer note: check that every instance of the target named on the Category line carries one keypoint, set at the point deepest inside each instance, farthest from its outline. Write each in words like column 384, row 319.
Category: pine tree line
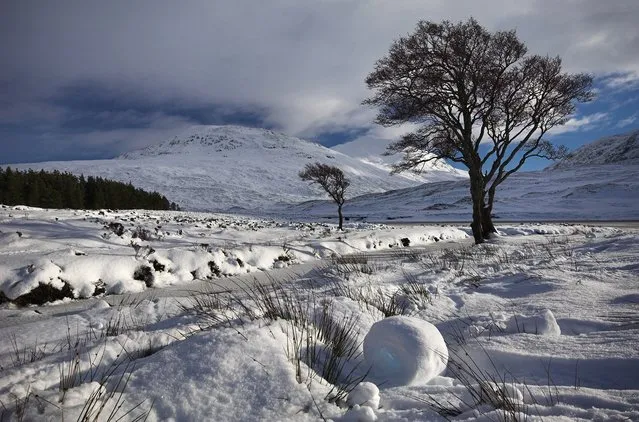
column 65, row 190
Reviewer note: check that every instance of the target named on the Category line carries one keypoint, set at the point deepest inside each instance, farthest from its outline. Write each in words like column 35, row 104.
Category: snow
column 364, row 394
column 359, row 413
column 599, row 181
column 219, row 375
column 371, row 150
column 543, row 324
column 199, row 171
column 77, row 248
column 403, row 350
column 545, row 316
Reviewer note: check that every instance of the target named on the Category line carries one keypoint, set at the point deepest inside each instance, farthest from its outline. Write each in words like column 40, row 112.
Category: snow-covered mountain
column 613, row 149
column 598, row 181
column 232, row 167
column 371, row 151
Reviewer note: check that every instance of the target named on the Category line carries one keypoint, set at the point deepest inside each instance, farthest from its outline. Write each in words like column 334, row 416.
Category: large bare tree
column 332, row 180
column 478, row 98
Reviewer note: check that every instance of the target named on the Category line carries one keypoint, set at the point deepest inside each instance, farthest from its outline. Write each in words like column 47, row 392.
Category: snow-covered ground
column 129, row 251
column 255, row 171
column 415, row 325
column 372, row 151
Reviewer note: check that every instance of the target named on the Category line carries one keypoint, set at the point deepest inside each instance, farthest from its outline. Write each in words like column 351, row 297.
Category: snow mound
column 543, row 324
column 359, row 413
column 364, row 394
column 404, row 350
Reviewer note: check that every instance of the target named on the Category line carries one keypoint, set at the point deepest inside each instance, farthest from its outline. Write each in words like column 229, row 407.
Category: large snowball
column 405, row 351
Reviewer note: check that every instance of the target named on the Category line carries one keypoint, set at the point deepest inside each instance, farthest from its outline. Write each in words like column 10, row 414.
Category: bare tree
column 478, row 99
column 331, row 179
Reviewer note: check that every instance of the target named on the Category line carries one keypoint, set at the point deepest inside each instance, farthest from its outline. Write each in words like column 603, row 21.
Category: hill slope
column 604, row 192
column 613, row 149
column 230, row 167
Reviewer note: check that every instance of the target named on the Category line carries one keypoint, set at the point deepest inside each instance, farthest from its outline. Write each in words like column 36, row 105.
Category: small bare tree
column 331, row 179
column 478, row 99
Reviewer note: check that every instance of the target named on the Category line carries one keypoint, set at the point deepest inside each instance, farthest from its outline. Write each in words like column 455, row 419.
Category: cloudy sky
column 92, row 79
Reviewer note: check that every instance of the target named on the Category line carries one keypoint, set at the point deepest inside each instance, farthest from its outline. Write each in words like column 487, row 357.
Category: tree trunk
column 487, row 220
column 341, row 217
column 476, row 194
column 487, row 226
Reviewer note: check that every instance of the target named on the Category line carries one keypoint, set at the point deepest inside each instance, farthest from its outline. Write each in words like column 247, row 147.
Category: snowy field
column 193, row 317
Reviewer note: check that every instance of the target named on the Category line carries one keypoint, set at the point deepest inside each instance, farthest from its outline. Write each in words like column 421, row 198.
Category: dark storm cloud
column 91, row 105
column 112, row 75
column 330, row 139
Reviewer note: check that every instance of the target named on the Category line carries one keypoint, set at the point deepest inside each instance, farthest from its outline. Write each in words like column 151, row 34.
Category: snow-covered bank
column 85, row 253
column 538, row 324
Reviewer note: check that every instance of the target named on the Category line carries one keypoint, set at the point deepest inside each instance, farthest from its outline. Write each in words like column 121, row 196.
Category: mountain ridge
column 613, row 149
column 217, row 138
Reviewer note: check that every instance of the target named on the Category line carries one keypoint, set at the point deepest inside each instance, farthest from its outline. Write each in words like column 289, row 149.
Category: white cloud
column 578, row 124
column 618, row 81
column 627, row 121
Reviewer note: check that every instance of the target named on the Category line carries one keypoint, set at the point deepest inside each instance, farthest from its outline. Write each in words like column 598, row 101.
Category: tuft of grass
column 320, row 343
column 354, row 265
column 28, row 354
column 106, row 402
column 389, row 304
column 19, row 406
column 69, row 376
column 211, row 307
column 276, row 301
column 119, row 323
column 491, row 392
column 327, row 347
column 414, row 289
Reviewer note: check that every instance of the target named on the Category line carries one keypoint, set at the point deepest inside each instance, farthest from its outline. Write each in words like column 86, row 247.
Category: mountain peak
column 216, row 139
